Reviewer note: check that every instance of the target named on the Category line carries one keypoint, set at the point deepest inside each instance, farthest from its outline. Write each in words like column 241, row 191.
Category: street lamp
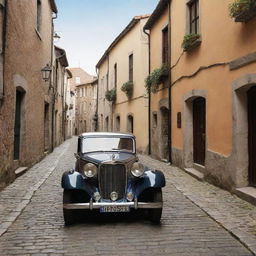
column 46, row 72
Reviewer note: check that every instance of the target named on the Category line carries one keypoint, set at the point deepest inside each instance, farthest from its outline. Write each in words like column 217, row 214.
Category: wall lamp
column 46, row 72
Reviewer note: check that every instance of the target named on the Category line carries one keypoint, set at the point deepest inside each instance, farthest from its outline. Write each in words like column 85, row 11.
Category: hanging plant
column 128, row 88
column 155, row 78
column 242, row 10
column 190, row 41
column 111, row 95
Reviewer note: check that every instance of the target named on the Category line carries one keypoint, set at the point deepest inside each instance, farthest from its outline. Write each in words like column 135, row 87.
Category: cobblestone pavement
column 31, row 219
column 234, row 214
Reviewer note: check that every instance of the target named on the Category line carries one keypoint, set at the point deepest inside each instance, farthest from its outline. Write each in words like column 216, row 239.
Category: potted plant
column 128, row 88
column 242, row 10
column 190, row 41
column 155, row 78
column 111, row 95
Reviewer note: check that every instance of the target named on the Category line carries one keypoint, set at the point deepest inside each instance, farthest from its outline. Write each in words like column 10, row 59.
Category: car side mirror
column 76, row 155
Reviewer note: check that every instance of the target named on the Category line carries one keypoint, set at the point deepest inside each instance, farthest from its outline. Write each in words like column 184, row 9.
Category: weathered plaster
column 240, row 128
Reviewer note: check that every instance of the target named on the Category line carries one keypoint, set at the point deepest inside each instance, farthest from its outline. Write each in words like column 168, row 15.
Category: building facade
column 122, row 96
column 86, row 97
column 79, row 76
column 212, row 89
column 60, row 77
column 69, row 106
column 25, row 99
column 159, row 121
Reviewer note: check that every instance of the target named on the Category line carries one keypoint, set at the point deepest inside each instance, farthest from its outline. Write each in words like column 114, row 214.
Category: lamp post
column 46, row 72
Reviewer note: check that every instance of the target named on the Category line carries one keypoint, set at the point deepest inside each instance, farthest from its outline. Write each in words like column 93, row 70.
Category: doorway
column 17, row 124
column 130, row 123
column 46, row 127
column 199, row 125
column 251, row 94
column 164, row 151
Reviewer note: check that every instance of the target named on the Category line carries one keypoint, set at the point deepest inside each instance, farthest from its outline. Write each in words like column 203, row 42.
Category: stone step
column 195, row 173
column 20, row 171
column 247, row 193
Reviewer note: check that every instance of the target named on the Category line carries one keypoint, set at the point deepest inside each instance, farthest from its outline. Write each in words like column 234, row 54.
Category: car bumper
column 98, row 205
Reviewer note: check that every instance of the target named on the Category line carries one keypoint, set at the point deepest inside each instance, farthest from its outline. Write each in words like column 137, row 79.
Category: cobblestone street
column 198, row 218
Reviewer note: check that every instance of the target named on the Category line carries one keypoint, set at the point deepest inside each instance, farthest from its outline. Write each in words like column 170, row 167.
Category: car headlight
column 90, row 170
column 137, row 169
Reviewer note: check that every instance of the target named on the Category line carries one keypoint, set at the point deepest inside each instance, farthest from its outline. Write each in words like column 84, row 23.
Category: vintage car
column 108, row 177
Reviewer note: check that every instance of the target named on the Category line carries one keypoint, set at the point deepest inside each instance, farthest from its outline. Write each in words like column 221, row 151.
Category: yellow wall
column 223, row 40
column 134, row 42
column 156, row 55
column 104, row 107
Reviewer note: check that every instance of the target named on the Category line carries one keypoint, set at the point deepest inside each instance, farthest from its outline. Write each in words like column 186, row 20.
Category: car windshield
column 107, row 144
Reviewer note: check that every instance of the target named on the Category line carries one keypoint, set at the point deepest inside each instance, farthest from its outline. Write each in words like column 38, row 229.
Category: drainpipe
column 97, row 102
column 51, row 83
column 111, row 128
column 149, row 94
column 169, row 83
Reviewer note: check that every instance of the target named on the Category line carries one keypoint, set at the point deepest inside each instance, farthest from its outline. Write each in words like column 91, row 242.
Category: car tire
column 68, row 215
column 155, row 214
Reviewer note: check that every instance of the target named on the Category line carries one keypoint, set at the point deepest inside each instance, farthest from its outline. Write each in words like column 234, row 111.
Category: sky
column 88, row 27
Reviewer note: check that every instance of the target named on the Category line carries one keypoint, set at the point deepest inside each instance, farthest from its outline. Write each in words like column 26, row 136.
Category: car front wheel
column 155, row 214
column 68, row 214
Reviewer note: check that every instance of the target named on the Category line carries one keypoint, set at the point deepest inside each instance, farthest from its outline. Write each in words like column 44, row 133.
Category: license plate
column 115, row 208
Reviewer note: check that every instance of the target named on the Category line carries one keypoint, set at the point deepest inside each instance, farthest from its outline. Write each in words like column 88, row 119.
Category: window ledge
column 38, row 34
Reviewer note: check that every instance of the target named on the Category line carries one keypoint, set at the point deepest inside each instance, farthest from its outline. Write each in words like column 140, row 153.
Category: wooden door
column 252, row 135
column 199, row 131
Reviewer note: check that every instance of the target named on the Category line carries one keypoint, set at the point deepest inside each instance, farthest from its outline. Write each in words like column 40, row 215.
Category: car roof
column 106, row 134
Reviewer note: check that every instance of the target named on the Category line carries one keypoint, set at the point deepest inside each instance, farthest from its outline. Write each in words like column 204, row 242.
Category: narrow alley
column 198, row 218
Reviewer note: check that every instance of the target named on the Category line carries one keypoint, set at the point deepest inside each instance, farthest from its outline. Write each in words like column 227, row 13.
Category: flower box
column 191, row 41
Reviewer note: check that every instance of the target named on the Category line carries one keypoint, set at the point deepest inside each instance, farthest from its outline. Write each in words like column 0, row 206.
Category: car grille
column 112, row 178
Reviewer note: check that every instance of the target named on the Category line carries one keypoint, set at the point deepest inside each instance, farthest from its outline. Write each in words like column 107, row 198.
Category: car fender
column 73, row 180
column 150, row 179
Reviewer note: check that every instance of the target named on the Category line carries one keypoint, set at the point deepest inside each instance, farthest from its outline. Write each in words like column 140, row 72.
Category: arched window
column 130, row 123
column 118, row 123
column 106, row 124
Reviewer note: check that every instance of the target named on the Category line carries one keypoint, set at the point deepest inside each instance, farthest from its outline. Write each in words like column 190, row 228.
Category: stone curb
column 15, row 213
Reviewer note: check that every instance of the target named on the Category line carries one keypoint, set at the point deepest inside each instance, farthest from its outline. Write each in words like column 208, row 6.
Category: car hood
column 100, row 157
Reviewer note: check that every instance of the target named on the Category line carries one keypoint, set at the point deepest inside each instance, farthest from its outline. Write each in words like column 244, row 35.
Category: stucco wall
column 156, row 45
column 134, row 42
column 218, row 48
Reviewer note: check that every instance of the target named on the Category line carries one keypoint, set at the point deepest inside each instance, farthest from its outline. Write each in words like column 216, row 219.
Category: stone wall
column 26, row 52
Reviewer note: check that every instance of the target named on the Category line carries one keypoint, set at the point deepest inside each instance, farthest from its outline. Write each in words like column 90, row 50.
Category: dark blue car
column 108, row 177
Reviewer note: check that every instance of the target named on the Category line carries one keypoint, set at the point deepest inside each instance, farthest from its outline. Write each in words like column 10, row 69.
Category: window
column 39, row 15
column 154, row 120
column 106, row 82
column 106, row 124
column 165, row 45
column 118, row 123
column 115, row 75
column 78, row 80
column 193, row 7
column 131, row 67
column 130, row 123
